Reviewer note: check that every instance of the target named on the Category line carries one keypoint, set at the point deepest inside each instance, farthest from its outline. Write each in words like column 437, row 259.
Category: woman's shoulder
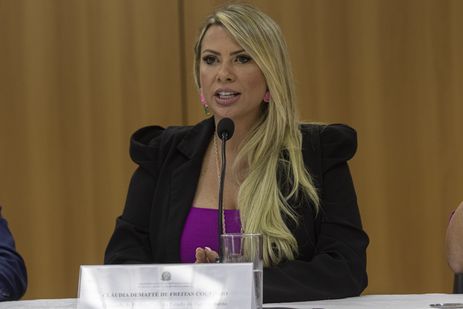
column 150, row 136
column 334, row 142
column 334, row 131
column 149, row 143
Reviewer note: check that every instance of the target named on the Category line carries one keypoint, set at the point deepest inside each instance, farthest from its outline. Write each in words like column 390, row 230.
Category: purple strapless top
column 200, row 230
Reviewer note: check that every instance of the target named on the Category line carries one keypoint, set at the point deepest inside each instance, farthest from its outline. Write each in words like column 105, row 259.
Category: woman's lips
column 227, row 97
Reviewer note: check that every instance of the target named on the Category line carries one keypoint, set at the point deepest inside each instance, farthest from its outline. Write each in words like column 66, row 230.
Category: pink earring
column 267, row 96
column 202, row 99
column 204, row 103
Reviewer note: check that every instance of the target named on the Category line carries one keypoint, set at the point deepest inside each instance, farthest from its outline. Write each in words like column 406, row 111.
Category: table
column 410, row 301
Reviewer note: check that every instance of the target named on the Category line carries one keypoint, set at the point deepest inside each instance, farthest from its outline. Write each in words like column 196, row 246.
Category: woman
column 314, row 245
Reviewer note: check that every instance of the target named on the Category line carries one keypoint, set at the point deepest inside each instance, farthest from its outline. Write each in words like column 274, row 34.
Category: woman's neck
column 240, row 133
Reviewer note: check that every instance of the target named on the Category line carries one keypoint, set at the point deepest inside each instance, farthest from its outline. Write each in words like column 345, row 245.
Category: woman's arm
column 130, row 242
column 338, row 266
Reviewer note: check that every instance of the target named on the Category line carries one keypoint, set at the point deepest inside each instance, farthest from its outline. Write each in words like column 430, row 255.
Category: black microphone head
column 225, row 129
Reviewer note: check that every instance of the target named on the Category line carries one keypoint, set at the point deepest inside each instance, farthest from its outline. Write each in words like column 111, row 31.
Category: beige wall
column 78, row 76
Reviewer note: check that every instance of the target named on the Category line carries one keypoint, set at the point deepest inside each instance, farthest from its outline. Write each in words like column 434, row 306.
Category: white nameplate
column 166, row 286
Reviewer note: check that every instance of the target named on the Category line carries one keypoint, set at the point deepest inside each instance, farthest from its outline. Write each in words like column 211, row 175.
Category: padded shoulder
column 339, row 143
column 145, row 144
column 148, row 145
column 332, row 144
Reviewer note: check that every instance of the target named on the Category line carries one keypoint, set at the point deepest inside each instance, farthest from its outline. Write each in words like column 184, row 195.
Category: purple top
column 200, row 230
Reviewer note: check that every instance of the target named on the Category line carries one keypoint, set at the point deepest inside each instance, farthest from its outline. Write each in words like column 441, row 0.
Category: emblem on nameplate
column 166, row 276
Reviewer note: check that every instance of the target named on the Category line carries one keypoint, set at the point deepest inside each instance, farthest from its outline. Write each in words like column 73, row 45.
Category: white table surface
column 418, row 301
column 377, row 301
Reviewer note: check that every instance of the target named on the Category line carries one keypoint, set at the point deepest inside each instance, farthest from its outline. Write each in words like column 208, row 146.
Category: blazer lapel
column 184, row 182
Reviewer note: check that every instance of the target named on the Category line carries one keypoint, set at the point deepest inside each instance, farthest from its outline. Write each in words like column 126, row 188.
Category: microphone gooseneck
column 225, row 130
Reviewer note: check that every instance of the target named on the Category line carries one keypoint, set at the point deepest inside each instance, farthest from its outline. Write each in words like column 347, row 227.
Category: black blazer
column 332, row 245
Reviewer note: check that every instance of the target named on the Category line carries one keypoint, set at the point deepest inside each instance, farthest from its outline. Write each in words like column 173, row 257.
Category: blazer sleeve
column 13, row 275
column 338, row 267
column 130, row 242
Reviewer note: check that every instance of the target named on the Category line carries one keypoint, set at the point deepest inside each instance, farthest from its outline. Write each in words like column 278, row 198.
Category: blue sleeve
column 13, row 276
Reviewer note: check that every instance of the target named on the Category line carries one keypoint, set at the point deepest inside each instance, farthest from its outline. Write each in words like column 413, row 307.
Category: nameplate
column 166, row 286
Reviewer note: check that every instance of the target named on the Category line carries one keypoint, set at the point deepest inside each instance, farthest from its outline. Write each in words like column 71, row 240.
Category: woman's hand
column 206, row 255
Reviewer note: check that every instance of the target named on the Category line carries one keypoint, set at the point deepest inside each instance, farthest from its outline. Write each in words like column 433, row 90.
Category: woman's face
column 231, row 82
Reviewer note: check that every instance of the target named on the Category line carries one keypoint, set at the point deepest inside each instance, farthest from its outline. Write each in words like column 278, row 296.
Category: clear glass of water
column 246, row 248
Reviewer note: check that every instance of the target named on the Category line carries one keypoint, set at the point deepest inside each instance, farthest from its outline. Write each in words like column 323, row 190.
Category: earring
column 267, row 96
column 204, row 103
column 206, row 110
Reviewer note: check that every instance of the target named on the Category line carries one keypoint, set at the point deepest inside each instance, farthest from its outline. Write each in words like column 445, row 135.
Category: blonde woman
column 285, row 180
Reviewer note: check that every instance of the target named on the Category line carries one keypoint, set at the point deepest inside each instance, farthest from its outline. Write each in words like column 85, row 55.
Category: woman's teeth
column 226, row 94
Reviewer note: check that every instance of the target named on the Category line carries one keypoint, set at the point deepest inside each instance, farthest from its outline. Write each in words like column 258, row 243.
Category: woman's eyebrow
column 217, row 53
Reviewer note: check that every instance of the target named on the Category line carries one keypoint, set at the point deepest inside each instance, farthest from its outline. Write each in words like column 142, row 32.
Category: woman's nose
column 225, row 74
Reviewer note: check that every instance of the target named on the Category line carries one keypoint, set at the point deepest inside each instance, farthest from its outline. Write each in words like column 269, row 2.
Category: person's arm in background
column 454, row 240
column 13, row 275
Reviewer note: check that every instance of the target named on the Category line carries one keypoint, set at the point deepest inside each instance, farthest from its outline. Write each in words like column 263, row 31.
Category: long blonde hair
column 272, row 149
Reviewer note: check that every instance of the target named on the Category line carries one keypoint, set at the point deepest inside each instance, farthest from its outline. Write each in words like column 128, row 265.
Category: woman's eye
column 243, row 59
column 209, row 59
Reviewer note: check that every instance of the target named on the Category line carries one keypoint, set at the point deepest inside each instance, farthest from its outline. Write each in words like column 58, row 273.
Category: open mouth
column 226, row 95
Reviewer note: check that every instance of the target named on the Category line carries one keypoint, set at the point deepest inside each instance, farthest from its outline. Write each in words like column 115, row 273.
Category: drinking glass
column 246, row 248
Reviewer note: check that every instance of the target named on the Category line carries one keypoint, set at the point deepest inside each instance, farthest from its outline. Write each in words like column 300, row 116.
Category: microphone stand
column 225, row 129
column 220, row 216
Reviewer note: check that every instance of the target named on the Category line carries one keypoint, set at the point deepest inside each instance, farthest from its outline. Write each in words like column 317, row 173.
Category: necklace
column 217, row 166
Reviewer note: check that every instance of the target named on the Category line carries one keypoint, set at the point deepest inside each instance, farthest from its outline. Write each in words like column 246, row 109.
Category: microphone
column 225, row 130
